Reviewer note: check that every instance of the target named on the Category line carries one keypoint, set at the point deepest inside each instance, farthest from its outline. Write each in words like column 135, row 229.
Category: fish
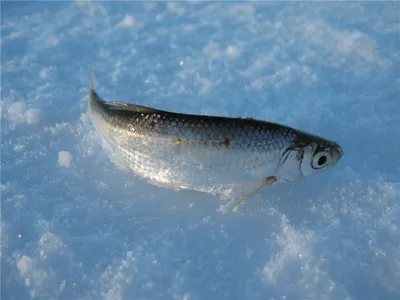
column 205, row 152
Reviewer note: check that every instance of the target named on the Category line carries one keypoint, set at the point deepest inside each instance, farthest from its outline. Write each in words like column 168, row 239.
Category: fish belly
column 180, row 164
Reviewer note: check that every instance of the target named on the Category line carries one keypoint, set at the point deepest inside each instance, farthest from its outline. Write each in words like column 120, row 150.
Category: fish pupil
column 322, row 160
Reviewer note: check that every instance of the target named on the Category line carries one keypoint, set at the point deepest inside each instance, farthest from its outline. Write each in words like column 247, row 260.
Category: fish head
column 318, row 157
column 307, row 156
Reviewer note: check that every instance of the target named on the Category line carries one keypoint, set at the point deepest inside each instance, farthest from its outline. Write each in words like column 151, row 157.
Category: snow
column 18, row 114
column 128, row 21
column 76, row 225
column 64, row 158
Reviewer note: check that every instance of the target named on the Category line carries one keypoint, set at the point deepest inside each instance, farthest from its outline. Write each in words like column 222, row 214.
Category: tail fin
column 93, row 97
column 91, row 79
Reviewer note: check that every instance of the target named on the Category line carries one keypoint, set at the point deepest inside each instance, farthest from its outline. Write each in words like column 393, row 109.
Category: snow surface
column 95, row 231
column 64, row 158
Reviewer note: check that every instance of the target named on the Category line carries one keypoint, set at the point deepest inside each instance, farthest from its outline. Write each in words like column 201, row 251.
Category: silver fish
column 203, row 153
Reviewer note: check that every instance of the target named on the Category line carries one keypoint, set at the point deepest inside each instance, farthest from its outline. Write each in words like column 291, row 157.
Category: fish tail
column 95, row 103
column 93, row 98
column 91, row 79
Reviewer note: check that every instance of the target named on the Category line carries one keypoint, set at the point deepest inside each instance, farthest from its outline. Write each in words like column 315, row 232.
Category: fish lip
column 340, row 150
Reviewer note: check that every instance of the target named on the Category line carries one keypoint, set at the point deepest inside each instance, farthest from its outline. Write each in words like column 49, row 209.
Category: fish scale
column 217, row 145
column 201, row 152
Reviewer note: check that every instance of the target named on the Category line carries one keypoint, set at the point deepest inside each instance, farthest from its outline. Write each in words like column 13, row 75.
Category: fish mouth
column 339, row 152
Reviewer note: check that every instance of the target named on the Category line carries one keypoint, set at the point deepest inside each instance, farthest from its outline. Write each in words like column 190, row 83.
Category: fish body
column 200, row 152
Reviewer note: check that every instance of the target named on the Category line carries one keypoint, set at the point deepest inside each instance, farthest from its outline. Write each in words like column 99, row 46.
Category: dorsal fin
column 117, row 105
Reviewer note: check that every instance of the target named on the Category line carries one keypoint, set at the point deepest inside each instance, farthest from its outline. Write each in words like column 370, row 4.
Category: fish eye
column 320, row 160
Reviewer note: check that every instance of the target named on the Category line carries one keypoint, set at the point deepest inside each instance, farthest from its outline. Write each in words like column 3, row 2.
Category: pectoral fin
column 268, row 182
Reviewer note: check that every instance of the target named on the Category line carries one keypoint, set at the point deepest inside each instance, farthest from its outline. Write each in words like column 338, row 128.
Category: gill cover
column 289, row 168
